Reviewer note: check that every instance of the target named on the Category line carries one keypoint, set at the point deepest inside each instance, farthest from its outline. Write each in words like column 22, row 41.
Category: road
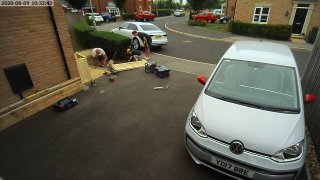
column 207, row 51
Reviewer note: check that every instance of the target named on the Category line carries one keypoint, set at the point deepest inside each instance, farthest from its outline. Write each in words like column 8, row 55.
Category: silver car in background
column 248, row 121
column 159, row 37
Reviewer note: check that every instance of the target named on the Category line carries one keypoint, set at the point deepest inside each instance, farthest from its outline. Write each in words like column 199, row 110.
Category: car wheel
column 136, row 19
column 209, row 21
column 107, row 20
column 224, row 21
column 144, row 19
column 152, row 19
column 135, row 43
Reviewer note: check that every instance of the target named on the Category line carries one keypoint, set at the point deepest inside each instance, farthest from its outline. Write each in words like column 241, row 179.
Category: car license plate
column 158, row 36
column 232, row 167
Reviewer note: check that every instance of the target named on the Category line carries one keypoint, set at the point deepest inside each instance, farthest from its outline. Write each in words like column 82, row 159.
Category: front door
column 299, row 18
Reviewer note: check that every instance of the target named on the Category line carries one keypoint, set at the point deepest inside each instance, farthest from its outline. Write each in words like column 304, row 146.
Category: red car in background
column 205, row 16
column 144, row 16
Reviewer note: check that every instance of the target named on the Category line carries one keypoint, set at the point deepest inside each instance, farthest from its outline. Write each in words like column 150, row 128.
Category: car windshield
column 259, row 85
column 149, row 27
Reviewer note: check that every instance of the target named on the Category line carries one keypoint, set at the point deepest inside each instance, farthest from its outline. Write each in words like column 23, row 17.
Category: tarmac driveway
column 120, row 130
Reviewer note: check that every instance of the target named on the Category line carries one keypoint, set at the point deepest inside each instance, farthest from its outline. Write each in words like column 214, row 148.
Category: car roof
column 140, row 23
column 264, row 52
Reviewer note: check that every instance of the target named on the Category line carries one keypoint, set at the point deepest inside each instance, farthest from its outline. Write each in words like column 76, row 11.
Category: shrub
column 313, row 34
column 162, row 12
column 279, row 32
column 83, row 33
column 110, row 42
column 196, row 23
column 127, row 16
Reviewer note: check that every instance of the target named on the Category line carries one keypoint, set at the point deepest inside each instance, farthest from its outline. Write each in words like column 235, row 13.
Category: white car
column 218, row 12
column 248, row 121
column 97, row 17
column 178, row 12
column 159, row 37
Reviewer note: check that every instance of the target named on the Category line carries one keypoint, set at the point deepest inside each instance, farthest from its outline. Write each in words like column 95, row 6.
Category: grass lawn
column 217, row 27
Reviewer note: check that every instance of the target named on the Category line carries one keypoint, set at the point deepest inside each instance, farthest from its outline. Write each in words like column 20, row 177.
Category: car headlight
column 197, row 126
column 289, row 154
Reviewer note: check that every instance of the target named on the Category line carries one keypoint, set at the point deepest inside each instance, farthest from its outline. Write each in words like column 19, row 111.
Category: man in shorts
column 146, row 39
column 99, row 57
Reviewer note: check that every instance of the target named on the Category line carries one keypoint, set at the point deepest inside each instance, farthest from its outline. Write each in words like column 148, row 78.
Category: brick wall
column 315, row 18
column 132, row 6
column 245, row 10
column 27, row 36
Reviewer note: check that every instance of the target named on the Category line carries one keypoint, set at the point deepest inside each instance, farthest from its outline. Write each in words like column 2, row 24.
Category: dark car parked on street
column 109, row 17
column 225, row 19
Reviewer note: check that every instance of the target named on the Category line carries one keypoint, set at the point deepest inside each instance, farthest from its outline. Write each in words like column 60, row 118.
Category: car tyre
column 152, row 19
column 136, row 44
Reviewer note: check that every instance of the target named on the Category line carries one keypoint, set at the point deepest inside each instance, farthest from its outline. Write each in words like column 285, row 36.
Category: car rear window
column 149, row 28
column 266, row 86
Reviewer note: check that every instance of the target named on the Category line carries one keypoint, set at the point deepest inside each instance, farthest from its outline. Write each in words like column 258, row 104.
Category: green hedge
column 110, row 42
column 279, row 32
column 83, row 33
column 163, row 12
column 127, row 16
column 196, row 23
column 313, row 34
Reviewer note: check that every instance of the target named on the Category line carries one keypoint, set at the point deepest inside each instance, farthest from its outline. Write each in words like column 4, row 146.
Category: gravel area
column 312, row 161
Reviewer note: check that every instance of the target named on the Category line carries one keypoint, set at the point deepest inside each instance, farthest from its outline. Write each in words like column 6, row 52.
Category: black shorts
column 135, row 52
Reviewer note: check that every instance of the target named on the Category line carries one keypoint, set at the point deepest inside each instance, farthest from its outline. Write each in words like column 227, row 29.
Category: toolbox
column 162, row 71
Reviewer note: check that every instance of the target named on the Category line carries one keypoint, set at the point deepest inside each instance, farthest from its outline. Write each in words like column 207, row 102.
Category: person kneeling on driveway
column 134, row 54
column 99, row 57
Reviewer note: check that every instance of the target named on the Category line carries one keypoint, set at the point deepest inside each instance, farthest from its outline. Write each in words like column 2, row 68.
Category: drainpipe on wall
column 59, row 42
column 235, row 7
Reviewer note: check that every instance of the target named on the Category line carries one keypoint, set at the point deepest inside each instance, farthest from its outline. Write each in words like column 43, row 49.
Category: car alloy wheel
column 135, row 43
column 209, row 21
column 144, row 19
column 224, row 21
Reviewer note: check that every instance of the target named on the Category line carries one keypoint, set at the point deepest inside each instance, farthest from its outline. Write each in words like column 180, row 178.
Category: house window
column 261, row 15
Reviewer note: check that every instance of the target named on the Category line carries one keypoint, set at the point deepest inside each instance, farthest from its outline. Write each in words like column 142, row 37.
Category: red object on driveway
column 205, row 16
column 144, row 16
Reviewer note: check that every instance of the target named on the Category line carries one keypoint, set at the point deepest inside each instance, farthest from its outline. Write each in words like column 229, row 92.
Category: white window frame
column 260, row 15
column 114, row 10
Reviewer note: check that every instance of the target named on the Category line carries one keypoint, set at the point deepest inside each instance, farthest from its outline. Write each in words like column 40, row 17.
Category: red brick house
column 301, row 14
column 35, row 44
column 101, row 6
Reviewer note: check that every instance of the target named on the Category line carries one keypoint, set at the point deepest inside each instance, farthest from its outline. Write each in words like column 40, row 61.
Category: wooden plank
column 129, row 65
column 84, row 70
column 26, row 110
column 85, row 53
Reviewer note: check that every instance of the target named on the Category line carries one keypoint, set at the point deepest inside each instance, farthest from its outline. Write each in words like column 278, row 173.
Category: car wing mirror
column 120, row 28
column 309, row 98
column 202, row 79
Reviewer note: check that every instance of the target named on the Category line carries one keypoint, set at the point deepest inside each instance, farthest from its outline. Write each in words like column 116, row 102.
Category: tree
column 203, row 4
column 120, row 4
column 76, row 4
